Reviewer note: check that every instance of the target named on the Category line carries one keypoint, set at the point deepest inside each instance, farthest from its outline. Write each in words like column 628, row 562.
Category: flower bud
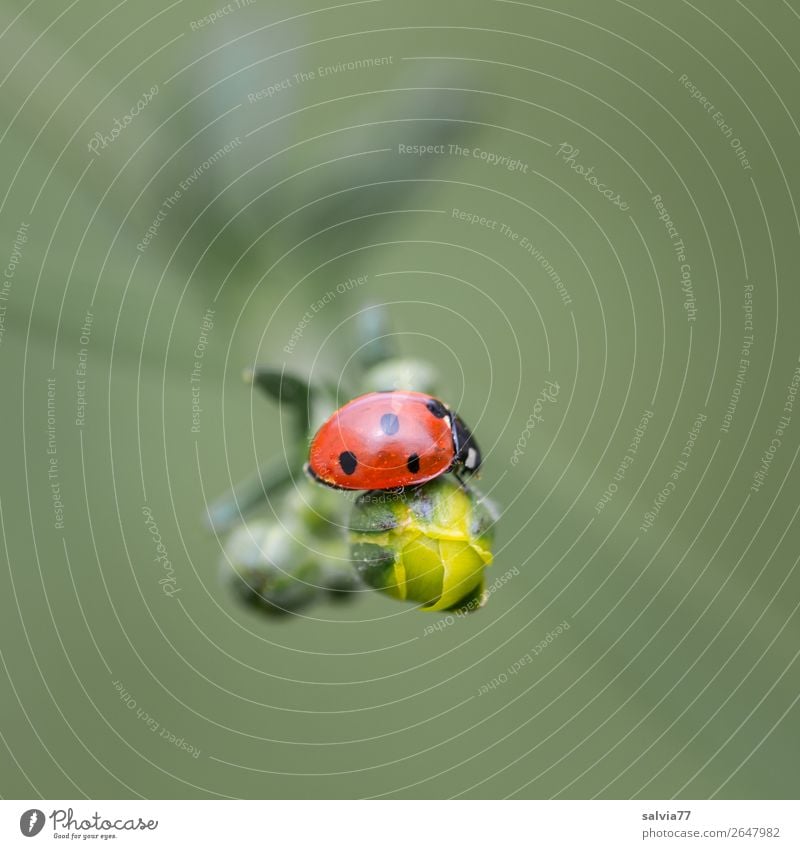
column 318, row 510
column 400, row 373
column 338, row 578
column 269, row 568
column 429, row 544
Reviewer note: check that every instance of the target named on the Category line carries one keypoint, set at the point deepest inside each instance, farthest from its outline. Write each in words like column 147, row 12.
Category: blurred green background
column 267, row 180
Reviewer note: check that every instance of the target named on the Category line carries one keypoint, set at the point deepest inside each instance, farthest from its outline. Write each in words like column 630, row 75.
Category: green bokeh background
column 678, row 675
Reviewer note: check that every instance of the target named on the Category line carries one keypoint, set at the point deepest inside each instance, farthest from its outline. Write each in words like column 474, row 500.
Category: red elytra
column 387, row 440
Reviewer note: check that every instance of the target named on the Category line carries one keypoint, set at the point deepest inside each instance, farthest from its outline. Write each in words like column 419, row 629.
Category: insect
column 387, row 440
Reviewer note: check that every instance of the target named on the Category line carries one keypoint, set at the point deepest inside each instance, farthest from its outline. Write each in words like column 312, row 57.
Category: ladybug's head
column 468, row 455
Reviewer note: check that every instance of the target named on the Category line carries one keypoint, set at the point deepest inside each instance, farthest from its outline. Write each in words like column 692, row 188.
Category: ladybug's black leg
column 458, row 471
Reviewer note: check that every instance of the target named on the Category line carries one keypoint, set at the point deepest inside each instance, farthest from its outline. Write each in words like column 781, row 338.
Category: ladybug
column 388, row 440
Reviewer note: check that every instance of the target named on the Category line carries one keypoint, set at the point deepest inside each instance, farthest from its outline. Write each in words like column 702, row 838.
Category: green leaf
column 286, row 388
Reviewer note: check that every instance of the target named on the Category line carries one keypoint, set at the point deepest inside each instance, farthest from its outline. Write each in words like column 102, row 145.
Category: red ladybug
column 386, row 440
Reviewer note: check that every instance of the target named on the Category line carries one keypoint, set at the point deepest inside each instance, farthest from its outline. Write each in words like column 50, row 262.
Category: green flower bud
column 337, row 578
column 322, row 513
column 270, row 569
column 429, row 545
column 319, row 510
column 401, row 373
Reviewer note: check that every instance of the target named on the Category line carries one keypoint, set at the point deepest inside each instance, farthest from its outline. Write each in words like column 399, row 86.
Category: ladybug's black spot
column 348, row 462
column 390, row 424
column 413, row 463
column 437, row 408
